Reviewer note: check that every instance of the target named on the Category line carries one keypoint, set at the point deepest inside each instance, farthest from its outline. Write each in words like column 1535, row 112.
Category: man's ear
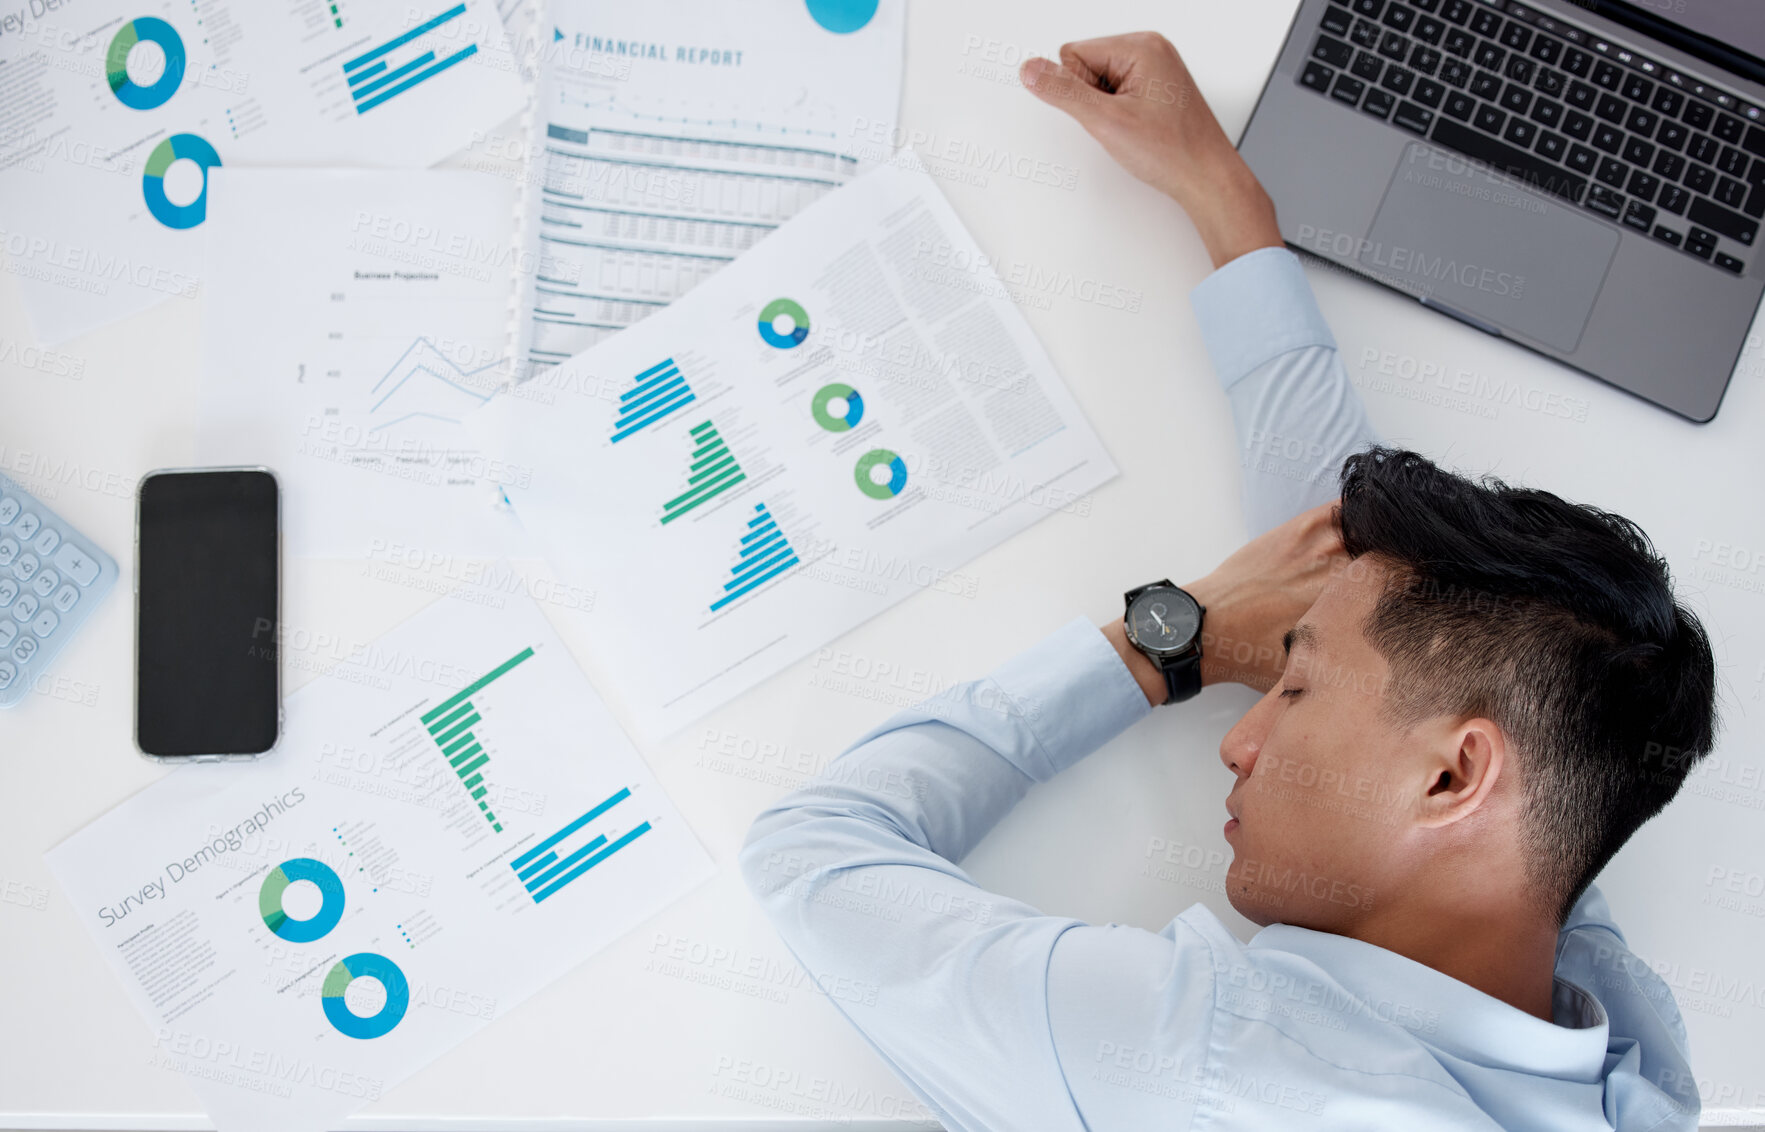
column 1462, row 763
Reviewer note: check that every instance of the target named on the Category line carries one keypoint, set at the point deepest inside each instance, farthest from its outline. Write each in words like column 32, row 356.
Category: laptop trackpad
column 1479, row 242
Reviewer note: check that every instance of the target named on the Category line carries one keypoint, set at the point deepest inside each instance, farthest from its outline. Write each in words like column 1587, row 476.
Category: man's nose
column 1242, row 744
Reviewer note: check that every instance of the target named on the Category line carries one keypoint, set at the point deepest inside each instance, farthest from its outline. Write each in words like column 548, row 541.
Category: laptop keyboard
column 1595, row 124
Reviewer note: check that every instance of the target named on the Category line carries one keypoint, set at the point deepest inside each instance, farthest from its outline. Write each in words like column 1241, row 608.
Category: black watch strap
column 1182, row 674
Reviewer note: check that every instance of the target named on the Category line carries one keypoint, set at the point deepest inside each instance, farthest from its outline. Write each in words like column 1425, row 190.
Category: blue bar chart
column 374, row 79
column 765, row 554
column 549, row 866
column 659, row 391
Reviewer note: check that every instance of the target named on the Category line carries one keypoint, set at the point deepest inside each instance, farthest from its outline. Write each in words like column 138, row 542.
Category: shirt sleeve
column 1297, row 415
column 948, row 982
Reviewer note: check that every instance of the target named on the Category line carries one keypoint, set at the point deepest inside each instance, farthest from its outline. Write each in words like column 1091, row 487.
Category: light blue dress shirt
column 1000, row 1017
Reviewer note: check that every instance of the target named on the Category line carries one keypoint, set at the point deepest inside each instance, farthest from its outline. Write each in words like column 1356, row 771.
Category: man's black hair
column 1556, row 621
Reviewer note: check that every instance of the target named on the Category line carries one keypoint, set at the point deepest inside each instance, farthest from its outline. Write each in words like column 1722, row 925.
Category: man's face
column 1322, row 806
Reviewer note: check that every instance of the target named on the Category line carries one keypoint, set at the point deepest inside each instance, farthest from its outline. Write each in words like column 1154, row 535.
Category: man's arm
column 1297, row 415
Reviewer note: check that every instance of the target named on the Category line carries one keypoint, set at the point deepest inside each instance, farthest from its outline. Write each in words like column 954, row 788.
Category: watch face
column 1164, row 620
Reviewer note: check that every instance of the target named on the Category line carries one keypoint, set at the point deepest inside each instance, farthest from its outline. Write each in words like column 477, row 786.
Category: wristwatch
column 1164, row 622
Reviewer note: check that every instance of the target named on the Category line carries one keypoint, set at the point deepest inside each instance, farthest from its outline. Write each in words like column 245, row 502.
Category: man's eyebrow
column 1299, row 635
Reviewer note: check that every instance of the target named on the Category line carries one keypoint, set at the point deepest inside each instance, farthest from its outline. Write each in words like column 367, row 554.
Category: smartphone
column 208, row 602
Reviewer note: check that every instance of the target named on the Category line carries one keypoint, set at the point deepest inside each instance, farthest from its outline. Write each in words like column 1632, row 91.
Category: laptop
column 1586, row 179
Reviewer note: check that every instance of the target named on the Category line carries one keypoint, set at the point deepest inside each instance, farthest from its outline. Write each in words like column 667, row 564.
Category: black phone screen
column 206, row 631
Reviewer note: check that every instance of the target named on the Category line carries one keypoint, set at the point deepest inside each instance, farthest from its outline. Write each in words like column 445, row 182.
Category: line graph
column 425, row 384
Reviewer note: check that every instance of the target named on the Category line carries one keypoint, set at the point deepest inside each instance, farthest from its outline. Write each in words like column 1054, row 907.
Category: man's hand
column 1252, row 599
column 1135, row 96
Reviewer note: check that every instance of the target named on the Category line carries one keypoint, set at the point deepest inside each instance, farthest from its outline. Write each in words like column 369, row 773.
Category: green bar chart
column 712, row 471
column 450, row 728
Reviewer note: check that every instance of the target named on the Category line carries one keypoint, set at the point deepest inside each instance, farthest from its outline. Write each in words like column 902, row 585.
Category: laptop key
column 1640, row 121
column 1639, row 216
column 1486, row 23
column 1755, row 206
column 1332, row 51
column 1754, row 141
column 1368, row 66
column 1348, row 89
column 1489, row 56
column 1521, row 132
column 1698, row 115
column 1398, row 80
column 1413, row 117
column 1516, row 36
column 1581, row 96
column 1674, row 199
column 1605, row 202
column 1460, row 106
column 1578, row 125
column 1756, row 175
column 1426, row 5
column 1673, row 136
column 1547, row 113
column 1577, row 63
column 1733, row 161
column 1365, row 34
column 1667, row 235
column 1582, row 159
column 1394, row 46
column 1728, row 263
column 1700, row 243
column 1613, row 172
column 1638, row 152
column 1731, row 192
column 1429, row 93
column 1611, row 108
column 1400, row 17
column 1369, row 8
column 1729, row 128
column 1456, row 11
column 1609, row 139
column 1643, row 185
column 1608, row 75
column 1336, row 21
column 1429, row 30
column 1637, row 88
column 1489, row 119
column 1730, row 224
column 1539, row 174
column 1486, row 85
column 1520, row 68
column 1425, row 59
column 1316, row 76
column 1547, row 50
column 1700, row 179
column 1668, row 102
column 1516, row 99
column 1669, row 165
column 1460, row 43
column 1550, row 82
column 1379, row 103
column 1703, row 148
column 1551, row 146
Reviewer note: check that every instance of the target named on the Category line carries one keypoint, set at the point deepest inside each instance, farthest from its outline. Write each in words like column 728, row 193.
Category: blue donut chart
column 842, row 17
column 361, row 965
column 172, row 149
column 144, row 29
column 276, row 882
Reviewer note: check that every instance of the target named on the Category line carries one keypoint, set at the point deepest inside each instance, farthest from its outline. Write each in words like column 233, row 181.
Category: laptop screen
column 1738, row 23
column 1729, row 33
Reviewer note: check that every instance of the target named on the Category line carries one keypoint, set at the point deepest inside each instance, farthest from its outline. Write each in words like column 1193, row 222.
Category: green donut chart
column 144, row 29
column 365, row 964
column 881, row 457
column 848, row 418
column 798, row 332
column 174, row 148
column 269, row 900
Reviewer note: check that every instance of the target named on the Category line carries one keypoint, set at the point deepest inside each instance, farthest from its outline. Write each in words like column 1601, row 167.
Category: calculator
column 51, row 578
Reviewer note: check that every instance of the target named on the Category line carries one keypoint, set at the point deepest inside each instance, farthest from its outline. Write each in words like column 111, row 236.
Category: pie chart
column 799, row 323
column 837, row 407
column 174, row 148
column 842, row 17
column 364, row 964
column 865, row 474
column 145, row 29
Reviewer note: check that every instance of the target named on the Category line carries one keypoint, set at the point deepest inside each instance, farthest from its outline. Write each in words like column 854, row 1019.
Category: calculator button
column 8, row 511
column 75, row 565
column 48, row 541
column 24, row 650
column 7, row 675
column 25, row 609
column 7, row 631
column 45, row 623
column 65, row 597
column 45, row 583
column 27, row 526
column 8, row 591
column 8, row 551
column 26, row 567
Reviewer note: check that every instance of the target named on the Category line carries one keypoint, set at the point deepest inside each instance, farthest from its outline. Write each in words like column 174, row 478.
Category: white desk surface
column 698, row 1019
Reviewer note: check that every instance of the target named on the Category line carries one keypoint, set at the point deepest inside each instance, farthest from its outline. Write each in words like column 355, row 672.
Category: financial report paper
column 113, row 113
column 346, row 344
column 836, row 420
column 451, row 822
column 667, row 139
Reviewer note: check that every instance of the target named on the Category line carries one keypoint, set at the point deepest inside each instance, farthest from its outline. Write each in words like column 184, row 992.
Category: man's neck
column 1505, row 951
